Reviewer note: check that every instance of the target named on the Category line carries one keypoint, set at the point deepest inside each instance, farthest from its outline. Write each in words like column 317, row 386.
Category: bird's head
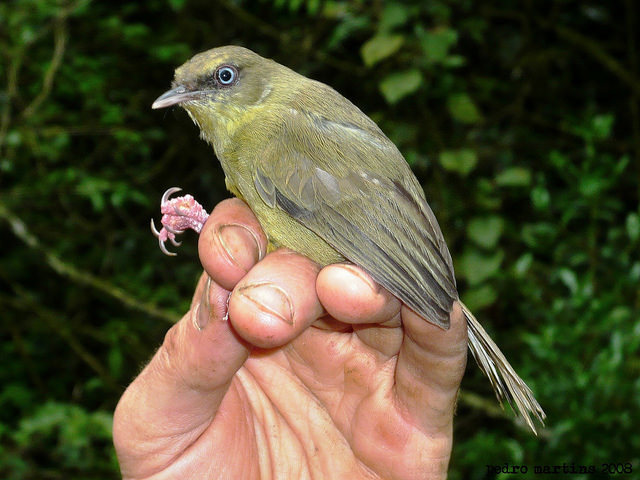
column 220, row 86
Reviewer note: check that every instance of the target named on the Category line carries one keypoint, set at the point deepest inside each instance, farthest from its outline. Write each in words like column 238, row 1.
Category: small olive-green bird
column 323, row 180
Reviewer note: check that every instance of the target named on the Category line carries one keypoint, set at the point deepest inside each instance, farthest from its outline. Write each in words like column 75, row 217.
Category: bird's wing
column 375, row 220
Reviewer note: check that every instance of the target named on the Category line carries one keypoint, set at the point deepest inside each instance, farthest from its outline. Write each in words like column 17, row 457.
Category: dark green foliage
column 522, row 120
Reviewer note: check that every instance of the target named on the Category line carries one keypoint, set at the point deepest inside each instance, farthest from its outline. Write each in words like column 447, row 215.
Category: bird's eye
column 226, row 75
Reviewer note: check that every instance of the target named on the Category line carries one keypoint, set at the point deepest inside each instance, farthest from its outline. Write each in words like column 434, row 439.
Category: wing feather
column 373, row 218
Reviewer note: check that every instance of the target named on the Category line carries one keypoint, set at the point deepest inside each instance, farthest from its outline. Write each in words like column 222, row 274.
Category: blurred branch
column 59, row 44
column 80, row 130
column 26, row 357
column 634, row 104
column 17, row 56
column 24, row 301
column 586, row 44
column 492, row 409
column 597, row 52
column 64, row 269
column 256, row 22
column 11, row 92
column 488, row 406
column 285, row 40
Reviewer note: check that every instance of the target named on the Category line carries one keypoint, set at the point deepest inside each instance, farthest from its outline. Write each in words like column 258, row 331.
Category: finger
column 231, row 242
column 276, row 300
column 350, row 295
column 177, row 394
column 430, row 367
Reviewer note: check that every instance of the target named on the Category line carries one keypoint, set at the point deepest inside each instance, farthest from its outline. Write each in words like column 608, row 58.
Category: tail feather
column 505, row 381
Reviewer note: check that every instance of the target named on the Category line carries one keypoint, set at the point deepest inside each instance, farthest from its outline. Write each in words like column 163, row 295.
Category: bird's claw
column 171, row 230
column 167, row 194
column 178, row 215
column 163, row 235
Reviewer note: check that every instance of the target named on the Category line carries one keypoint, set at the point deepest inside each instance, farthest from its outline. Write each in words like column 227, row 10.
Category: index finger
column 231, row 242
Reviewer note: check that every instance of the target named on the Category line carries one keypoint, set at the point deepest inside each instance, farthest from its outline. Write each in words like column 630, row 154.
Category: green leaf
column 523, row 264
column 540, row 198
column 27, row 35
column 621, row 165
column 514, row 177
column 633, row 226
column 6, row 165
column 486, row 231
column 170, row 52
column 558, row 159
column 480, row 297
column 176, row 4
column 634, row 273
column 454, row 61
column 591, row 186
column 13, row 138
column 380, row 47
column 569, row 278
column 94, row 188
column 463, row 109
column 398, row 85
column 115, row 361
column 294, row 5
column 538, row 234
column 393, row 15
column 437, row 42
column 313, row 6
column 602, row 125
column 346, row 29
column 476, row 266
column 462, row 161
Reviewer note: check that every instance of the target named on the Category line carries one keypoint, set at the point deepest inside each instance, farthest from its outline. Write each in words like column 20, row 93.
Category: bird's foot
column 178, row 214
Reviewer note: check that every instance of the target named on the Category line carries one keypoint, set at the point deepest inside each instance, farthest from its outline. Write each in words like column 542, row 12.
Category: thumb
column 176, row 396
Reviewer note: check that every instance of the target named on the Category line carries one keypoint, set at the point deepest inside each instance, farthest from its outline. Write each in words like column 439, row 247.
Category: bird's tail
column 505, row 381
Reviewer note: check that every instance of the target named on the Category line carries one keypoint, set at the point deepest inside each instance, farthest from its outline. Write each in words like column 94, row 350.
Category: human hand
column 316, row 373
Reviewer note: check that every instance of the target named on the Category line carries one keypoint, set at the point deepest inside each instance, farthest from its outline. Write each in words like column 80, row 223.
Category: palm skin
column 315, row 374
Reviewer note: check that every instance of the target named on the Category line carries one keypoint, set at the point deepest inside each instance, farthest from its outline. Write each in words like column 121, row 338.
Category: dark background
column 521, row 119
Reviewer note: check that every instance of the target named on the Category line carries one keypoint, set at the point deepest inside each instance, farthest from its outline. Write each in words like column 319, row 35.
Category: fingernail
column 234, row 237
column 202, row 312
column 366, row 279
column 270, row 299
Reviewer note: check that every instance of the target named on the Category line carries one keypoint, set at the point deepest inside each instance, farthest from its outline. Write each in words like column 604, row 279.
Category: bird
column 325, row 181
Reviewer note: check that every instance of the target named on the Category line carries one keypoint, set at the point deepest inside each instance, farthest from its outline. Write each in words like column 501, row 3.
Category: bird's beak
column 175, row 96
